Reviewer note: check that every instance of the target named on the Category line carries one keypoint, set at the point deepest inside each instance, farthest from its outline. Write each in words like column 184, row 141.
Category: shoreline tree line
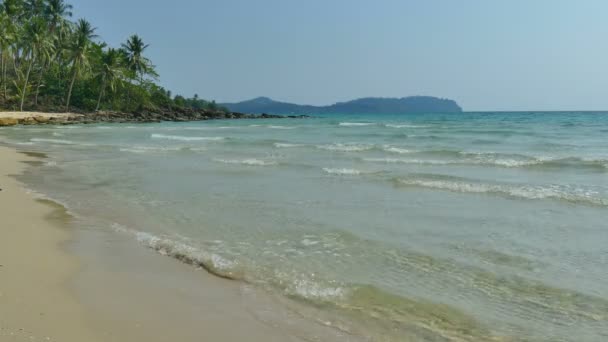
column 50, row 63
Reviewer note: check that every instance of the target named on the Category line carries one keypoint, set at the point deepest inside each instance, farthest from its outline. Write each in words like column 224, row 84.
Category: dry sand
column 23, row 115
column 34, row 302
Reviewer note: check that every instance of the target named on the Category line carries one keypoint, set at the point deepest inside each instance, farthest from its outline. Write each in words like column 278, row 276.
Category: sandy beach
column 34, row 303
column 23, row 115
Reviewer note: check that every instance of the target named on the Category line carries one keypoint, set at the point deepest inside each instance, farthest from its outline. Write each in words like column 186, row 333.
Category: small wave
column 355, row 124
column 346, row 147
column 185, row 138
column 22, row 143
column 532, row 192
column 407, row 161
column 53, row 141
column 342, row 172
column 183, row 252
column 149, row 149
column 286, row 145
column 57, row 134
column 405, row 126
column 399, row 150
column 249, row 162
column 206, row 128
column 103, row 127
column 274, row 126
column 281, row 127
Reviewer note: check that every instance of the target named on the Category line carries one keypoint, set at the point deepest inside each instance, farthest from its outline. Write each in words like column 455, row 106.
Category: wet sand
column 34, row 302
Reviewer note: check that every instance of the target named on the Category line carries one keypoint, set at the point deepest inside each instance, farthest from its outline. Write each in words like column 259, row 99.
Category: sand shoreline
column 35, row 304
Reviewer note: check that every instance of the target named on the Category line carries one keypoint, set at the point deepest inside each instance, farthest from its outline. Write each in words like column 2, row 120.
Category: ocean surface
column 434, row 227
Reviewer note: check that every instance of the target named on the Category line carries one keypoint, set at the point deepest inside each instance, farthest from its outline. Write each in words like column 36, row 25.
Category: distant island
column 369, row 105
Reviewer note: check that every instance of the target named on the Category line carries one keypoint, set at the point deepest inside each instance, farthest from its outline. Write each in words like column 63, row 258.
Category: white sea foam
column 149, row 149
column 341, row 171
column 355, row 124
column 399, row 150
column 185, row 138
column 57, row 134
column 248, row 161
column 282, row 127
column 346, row 147
column 405, row 126
column 286, row 145
column 313, row 290
column 53, row 141
column 532, row 192
column 274, row 126
column 409, row 161
column 211, row 262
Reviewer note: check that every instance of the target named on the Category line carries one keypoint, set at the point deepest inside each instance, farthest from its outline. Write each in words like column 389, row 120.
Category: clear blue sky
column 485, row 54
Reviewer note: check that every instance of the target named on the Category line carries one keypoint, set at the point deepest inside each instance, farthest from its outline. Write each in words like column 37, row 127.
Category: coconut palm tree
column 111, row 72
column 57, row 12
column 37, row 46
column 10, row 12
column 79, row 46
column 139, row 65
column 33, row 8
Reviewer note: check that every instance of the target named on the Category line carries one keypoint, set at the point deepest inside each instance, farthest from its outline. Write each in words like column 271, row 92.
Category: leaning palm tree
column 79, row 46
column 38, row 47
column 111, row 72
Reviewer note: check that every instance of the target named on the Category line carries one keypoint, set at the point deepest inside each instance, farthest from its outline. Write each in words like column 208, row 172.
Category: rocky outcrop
column 177, row 115
column 8, row 122
column 150, row 116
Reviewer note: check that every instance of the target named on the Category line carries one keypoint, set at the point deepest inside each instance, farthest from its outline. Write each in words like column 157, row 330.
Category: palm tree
column 136, row 62
column 10, row 12
column 38, row 46
column 110, row 73
column 33, row 8
column 79, row 47
column 57, row 12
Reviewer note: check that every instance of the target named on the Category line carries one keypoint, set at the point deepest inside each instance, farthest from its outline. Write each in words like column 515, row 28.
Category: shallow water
column 477, row 226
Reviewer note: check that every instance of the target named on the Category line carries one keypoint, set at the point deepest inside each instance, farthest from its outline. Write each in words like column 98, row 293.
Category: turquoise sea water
column 438, row 227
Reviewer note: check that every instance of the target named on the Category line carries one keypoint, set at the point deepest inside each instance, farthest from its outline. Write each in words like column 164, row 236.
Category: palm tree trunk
column 42, row 71
column 27, row 79
column 103, row 87
column 67, row 102
column 3, row 73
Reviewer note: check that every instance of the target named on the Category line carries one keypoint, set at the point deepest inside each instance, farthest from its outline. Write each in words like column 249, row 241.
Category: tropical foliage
column 49, row 62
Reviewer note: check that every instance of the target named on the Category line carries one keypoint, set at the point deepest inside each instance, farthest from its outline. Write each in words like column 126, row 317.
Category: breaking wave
column 53, row 141
column 573, row 194
column 346, row 147
column 185, row 138
column 248, row 161
column 342, row 171
column 405, row 126
column 356, row 124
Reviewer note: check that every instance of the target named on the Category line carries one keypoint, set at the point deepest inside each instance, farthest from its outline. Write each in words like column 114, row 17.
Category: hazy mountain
column 369, row 105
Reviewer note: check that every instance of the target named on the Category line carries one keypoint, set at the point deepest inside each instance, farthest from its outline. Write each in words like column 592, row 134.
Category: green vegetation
column 50, row 63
